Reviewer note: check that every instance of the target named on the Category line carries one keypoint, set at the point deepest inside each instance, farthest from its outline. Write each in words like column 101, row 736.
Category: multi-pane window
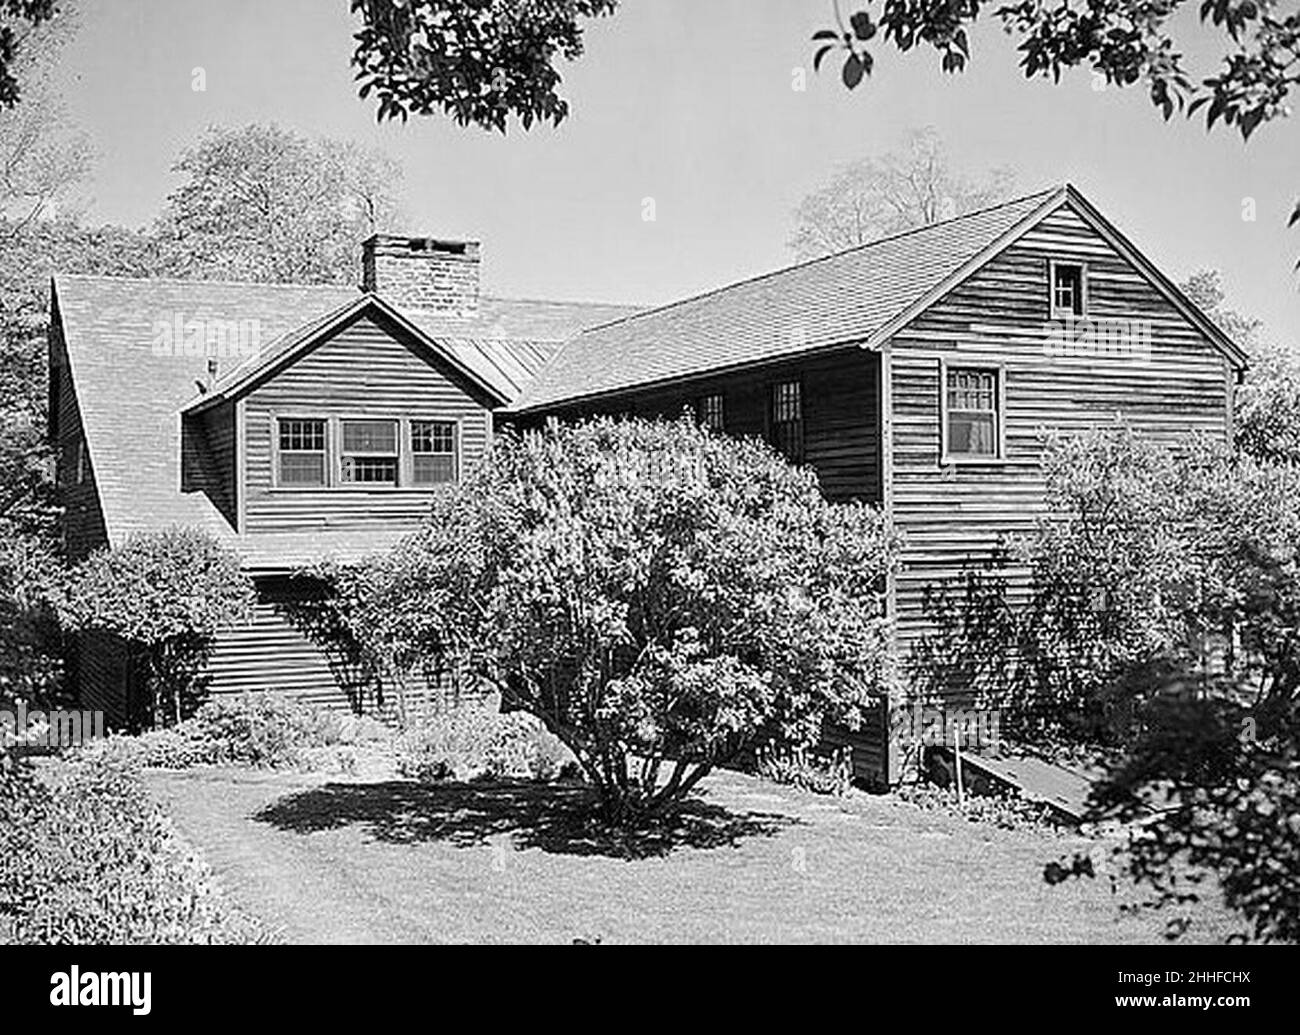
column 433, row 452
column 709, row 411
column 1068, row 289
column 302, row 451
column 786, row 423
column 368, row 452
column 972, row 412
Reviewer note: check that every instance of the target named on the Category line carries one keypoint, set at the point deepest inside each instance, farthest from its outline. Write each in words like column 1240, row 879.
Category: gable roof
column 857, row 297
column 131, row 398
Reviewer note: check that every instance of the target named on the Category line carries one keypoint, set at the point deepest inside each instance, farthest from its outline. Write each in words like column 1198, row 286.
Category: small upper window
column 709, row 411
column 787, row 420
column 1068, row 287
column 433, row 452
column 369, row 452
column 972, row 412
column 302, row 451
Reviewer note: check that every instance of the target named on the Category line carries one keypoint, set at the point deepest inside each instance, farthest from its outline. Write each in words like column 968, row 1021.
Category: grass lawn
column 394, row 861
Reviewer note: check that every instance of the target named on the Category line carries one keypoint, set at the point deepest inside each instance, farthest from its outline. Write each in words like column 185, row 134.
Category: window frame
column 334, row 434
column 334, row 451
column 771, row 421
column 277, row 480
column 978, row 364
column 1055, row 312
column 702, row 410
column 408, row 439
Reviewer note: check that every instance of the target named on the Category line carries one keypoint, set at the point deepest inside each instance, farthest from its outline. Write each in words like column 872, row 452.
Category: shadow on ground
column 554, row 818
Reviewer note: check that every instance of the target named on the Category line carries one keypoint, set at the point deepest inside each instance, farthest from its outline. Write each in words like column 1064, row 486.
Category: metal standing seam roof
column 131, row 398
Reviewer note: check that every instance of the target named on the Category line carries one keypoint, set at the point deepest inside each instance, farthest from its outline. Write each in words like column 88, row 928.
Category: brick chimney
column 423, row 273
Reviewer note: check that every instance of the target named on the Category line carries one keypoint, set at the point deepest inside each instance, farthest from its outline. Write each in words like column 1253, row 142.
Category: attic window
column 369, row 452
column 301, row 451
column 1069, row 290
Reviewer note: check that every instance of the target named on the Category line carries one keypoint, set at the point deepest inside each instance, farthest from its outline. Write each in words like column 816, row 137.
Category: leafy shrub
column 802, row 767
column 87, row 858
column 655, row 594
column 266, row 731
column 1008, row 811
column 477, row 742
column 166, row 595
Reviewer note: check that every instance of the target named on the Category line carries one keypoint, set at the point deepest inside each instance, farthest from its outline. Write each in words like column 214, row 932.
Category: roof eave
column 312, row 335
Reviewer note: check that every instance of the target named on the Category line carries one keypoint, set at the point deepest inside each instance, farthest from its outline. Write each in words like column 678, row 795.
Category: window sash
column 301, row 447
column 710, row 411
column 368, row 437
column 972, row 412
column 433, row 452
column 1068, row 288
column 787, row 435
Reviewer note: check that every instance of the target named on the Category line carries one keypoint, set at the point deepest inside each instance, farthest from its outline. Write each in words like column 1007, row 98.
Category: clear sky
column 691, row 103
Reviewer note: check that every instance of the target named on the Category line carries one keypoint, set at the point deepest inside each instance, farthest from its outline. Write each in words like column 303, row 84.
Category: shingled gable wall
column 423, row 273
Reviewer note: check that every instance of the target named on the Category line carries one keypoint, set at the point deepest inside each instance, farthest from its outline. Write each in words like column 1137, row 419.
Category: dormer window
column 1069, row 285
column 369, row 452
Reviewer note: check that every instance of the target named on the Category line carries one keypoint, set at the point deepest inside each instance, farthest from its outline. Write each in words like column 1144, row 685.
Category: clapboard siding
column 960, row 516
column 841, row 407
column 365, row 370
column 82, row 521
column 271, row 654
column 208, row 458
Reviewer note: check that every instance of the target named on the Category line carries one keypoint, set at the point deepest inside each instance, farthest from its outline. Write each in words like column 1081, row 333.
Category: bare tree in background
column 40, row 156
column 896, row 191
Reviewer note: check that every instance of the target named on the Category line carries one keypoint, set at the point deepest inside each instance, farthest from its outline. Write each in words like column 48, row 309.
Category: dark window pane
column 302, row 468
column 1067, row 289
column 433, row 469
column 369, row 436
column 972, row 434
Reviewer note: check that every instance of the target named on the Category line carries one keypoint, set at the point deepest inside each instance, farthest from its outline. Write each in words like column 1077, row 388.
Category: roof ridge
column 530, row 299
column 653, row 310
column 561, row 301
column 205, row 280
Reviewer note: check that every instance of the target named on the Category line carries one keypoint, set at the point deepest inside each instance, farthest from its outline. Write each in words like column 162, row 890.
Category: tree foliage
column 479, row 62
column 1127, row 42
column 166, row 595
column 657, row 596
column 262, row 203
column 895, row 191
column 18, row 20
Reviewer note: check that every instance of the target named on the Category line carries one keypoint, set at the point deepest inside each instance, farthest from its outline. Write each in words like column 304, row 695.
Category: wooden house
column 296, row 424
column 918, row 372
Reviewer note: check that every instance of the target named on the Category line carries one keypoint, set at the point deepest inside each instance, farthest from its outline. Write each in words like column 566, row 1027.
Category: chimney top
column 425, row 273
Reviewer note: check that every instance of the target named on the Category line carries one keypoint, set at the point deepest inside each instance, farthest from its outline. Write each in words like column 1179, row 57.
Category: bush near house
column 165, row 595
column 479, row 742
column 1164, row 625
column 86, row 858
column 653, row 593
column 265, row 731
